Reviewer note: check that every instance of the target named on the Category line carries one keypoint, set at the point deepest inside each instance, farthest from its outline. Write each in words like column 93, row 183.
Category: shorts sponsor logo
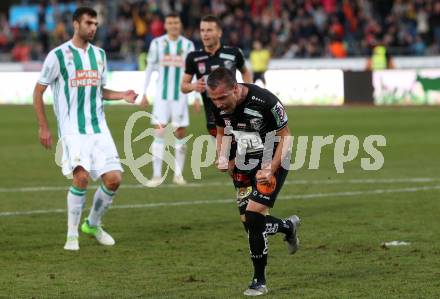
column 244, row 192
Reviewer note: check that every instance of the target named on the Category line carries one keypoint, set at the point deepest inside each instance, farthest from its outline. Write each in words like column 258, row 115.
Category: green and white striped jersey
column 168, row 57
column 76, row 77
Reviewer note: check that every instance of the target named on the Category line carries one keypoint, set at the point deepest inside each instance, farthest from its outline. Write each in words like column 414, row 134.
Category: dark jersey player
column 202, row 62
column 256, row 119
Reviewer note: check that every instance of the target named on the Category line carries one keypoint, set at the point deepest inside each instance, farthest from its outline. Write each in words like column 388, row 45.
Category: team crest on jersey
column 227, row 122
column 256, row 123
column 229, row 64
column 202, row 67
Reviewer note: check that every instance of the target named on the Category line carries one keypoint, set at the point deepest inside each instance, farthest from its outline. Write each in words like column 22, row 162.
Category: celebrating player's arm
column 267, row 171
column 223, row 147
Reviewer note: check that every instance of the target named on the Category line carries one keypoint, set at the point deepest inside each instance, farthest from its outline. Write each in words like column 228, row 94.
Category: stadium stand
column 290, row 29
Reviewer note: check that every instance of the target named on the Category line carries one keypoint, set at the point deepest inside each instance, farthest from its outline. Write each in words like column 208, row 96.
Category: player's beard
column 84, row 35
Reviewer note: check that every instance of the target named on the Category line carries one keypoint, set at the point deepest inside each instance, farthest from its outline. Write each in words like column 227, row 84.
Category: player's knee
column 255, row 222
column 159, row 132
column 180, row 133
column 113, row 180
column 80, row 178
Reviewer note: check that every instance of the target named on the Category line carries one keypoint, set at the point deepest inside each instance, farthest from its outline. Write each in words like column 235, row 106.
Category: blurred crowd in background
column 288, row 28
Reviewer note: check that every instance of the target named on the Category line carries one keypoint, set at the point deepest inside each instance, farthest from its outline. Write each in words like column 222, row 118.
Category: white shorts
column 96, row 153
column 177, row 111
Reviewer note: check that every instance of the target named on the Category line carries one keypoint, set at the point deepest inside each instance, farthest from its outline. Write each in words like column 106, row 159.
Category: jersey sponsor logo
column 172, row 60
column 201, row 67
column 215, row 66
column 248, row 142
column 256, row 99
column 227, row 56
column 252, row 112
column 279, row 114
column 200, row 58
column 85, row 78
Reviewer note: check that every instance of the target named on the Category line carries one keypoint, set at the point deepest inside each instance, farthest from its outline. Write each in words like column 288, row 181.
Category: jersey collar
column 215, row 53
column 80, row 49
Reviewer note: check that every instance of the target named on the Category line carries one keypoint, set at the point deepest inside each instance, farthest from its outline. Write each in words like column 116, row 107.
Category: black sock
column 275, row 225
column 256, row 224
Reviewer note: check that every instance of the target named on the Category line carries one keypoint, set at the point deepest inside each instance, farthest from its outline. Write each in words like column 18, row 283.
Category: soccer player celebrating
column 77, row 74
column 204, row 61
column 167, row 53
column 252, row 114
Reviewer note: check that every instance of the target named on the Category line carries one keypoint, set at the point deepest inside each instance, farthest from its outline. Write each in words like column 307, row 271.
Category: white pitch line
column 215, row 201
column 213, row 184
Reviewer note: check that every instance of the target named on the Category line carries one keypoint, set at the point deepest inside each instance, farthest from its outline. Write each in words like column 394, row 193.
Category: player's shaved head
column 220, row 76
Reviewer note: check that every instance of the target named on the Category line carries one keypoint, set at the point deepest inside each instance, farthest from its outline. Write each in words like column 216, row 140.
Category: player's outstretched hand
column 45, row 137
column 130, row 96
column 264, row 176
column 144, row 102
column 200, row 85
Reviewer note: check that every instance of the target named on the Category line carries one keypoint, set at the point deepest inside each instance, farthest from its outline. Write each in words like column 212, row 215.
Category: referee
column 202, row 62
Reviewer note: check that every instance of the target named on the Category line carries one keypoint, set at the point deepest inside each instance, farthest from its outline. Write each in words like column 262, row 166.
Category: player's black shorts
column 247, row 189
column 259, row 76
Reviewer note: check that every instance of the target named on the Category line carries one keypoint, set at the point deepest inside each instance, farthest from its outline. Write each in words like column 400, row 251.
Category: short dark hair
column 172, row 14
column 219, row 76
column 83, row 10
column 212, row 19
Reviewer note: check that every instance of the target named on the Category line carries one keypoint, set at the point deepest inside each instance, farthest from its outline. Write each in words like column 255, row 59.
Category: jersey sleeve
column 50, row 70
column 105, row 68
column 153, row 53
column 152, row 61
column 239, row 60
column 277, row 116
column 190, row 68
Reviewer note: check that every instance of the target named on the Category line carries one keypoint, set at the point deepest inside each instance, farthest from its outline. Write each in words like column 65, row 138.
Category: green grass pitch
column 167, row 247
